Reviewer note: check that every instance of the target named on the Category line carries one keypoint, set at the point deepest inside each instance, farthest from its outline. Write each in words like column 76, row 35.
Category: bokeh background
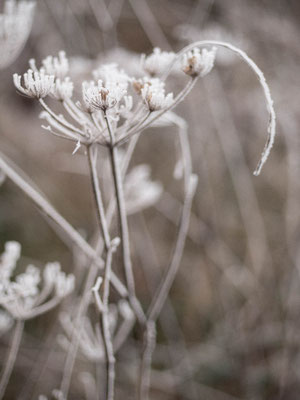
column 231, row 327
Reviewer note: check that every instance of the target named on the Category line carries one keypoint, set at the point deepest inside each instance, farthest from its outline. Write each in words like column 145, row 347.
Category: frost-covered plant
column 15, row 26
column 112, row 109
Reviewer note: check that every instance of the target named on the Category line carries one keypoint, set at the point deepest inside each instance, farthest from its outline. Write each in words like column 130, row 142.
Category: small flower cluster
column 158, row 62
column 199, row 62
column 153, row 94
column 22, row 297
column 15, row 26
column 107, row 103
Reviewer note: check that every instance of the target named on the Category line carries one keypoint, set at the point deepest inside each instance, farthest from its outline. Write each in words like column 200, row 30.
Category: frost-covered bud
column 153, row 94
column 57, row 66
column 98, row 97
column 51, row 271
column 198, row 62
column 157, row 62
column 64, row 284
column 36, row 84
column 62, row 89
column 12, row 252
column 26, row 284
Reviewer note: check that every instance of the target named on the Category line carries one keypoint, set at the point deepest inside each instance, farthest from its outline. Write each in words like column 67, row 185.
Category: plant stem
column 92, row 158
column 166, row 283
column 117, row 176
column 12, row 355
column 163, row 291
column 107, row 340
column 54, row 215
column 149, row 343
column 103, row 226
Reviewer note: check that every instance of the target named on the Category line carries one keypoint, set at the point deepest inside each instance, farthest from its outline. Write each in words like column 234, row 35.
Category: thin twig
column 92, row 158
column 12, row 355
column 53, row 214
column 271, row 130
column 163, row 291
column 117, row 176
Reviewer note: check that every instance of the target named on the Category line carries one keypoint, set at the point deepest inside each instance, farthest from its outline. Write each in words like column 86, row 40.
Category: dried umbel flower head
column 36, row 84
column 22, row 297
column 15, row 26
column 98, row 97
column 198, row 62
column 153, row 93
column 157, row 63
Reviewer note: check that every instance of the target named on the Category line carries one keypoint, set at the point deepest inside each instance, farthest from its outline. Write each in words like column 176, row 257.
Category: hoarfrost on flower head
column 57, row 66
column 157, row 62
column 36, row 84
column 153, row 93
column 198, row 62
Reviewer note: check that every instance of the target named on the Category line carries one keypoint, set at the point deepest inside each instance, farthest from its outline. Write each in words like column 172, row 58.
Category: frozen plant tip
column 198, row 62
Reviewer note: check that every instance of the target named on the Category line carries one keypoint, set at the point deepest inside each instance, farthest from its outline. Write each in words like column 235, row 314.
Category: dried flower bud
column 198, row 62
column 153, row 95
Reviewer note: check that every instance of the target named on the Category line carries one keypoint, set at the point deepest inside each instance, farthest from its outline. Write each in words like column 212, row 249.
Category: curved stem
column 12, row 355
column 271, row 130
